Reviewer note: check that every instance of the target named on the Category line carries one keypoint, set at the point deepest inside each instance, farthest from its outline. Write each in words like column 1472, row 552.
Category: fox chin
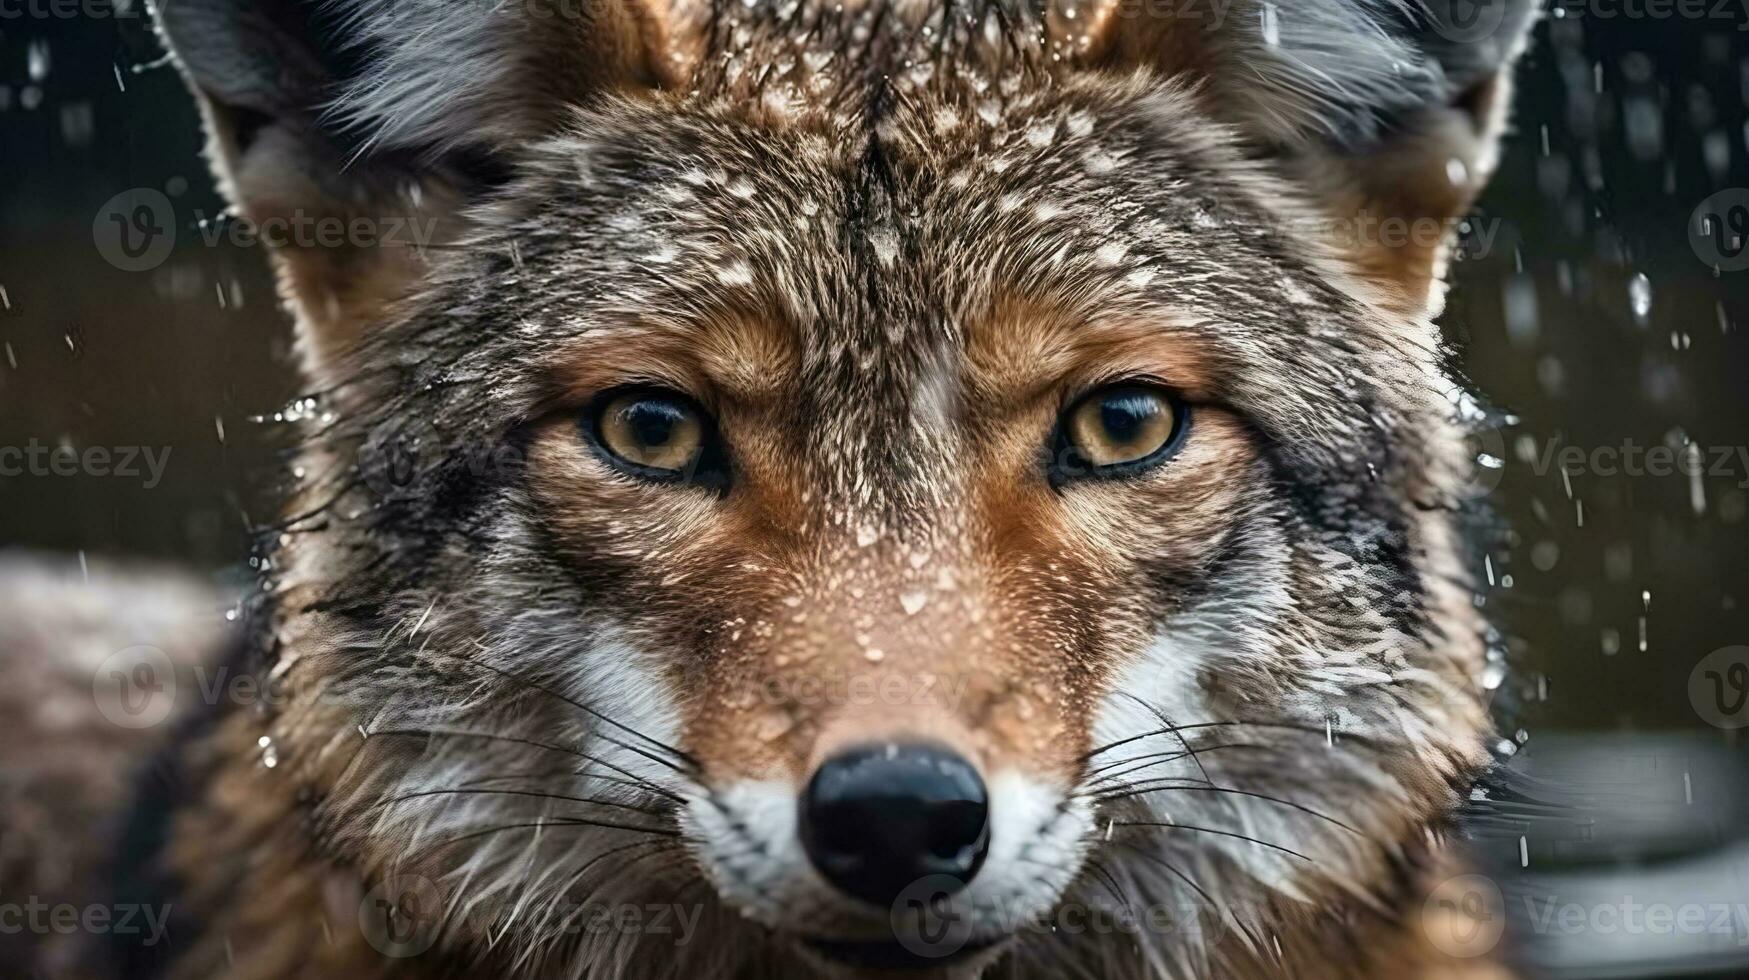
column 844, row 490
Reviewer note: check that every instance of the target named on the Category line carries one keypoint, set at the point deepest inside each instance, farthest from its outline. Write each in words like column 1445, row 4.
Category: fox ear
column 1387, row 113
column 376, row 121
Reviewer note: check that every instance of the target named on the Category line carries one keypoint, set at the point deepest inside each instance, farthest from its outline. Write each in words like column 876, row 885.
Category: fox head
column 826, row 462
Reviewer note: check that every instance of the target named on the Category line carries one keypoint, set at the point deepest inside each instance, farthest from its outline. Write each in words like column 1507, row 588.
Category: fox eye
column 1119, row 429
column 656, row 435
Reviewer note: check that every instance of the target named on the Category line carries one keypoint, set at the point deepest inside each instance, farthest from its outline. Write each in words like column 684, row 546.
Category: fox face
column 884, row 474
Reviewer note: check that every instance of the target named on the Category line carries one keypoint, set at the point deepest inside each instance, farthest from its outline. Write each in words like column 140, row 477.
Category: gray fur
column 878, row 180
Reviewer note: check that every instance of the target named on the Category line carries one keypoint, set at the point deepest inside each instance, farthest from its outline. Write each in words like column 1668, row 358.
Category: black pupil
column 652, row 423
column 1125, row 414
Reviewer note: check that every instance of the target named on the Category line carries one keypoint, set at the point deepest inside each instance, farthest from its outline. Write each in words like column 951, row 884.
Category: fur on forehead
column 423, row 109
column 446, row 75
column 1103, row 204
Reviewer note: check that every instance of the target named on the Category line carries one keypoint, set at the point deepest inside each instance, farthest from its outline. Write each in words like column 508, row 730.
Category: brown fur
column 885, row 246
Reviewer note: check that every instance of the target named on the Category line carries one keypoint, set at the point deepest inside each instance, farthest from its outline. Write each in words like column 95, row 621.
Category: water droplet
column 1640, row 296
column 37, row 60
column 1493, row 676
column 1457, row 172
column 1271, row 28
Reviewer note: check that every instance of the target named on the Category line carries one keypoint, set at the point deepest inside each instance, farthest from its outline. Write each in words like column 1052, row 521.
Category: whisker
column 585, row 773
column 691, row 764
column 534, row 794
column 490, row 736
column 1129, row 794
column 559, row 823
column 1265, row 725
column 1213, row 905
column 1218, row 908
column 1109, row 881
column 576, row 878
column 1163, row 825
column 1176, row 733
column 1160, row 758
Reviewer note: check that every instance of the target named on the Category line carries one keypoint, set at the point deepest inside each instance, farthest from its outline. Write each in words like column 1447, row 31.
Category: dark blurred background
column 1597, row 319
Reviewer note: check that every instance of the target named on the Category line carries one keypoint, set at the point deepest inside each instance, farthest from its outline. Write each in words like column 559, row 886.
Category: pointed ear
column 1386, row 113
column 349, row 134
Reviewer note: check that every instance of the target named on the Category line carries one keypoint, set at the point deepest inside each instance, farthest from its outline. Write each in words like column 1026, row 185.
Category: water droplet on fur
column 1493, row 675
column 885, row 243
column 735, row 274
column 1640, row 296
column 37, row 60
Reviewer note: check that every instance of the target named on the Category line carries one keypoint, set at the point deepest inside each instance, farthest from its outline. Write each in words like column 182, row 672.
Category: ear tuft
column 444, row 75
column 1345, row 71
column 1386, row 112
column 383, row 115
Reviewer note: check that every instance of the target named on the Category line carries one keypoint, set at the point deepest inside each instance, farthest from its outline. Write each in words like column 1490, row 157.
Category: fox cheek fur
column 875, row 253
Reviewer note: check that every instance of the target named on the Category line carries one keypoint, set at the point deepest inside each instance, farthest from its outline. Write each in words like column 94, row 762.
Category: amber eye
column 655, row 434
column 1119, row 429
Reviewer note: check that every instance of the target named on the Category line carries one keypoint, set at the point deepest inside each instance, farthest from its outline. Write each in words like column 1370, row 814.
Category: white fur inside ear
column 1319, row 68
column 1339, row 70
column 444, row 75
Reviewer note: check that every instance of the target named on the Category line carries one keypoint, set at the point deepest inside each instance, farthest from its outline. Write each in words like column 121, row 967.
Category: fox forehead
column 844, row 268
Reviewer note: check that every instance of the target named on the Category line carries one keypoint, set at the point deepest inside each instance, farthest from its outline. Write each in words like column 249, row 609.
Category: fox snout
column 876, row 819
column 913, row 778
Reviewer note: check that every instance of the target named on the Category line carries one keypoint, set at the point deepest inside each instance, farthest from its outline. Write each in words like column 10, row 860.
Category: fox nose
column 878, row 818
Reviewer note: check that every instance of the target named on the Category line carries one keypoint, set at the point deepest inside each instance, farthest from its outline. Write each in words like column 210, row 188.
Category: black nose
column 876, row 819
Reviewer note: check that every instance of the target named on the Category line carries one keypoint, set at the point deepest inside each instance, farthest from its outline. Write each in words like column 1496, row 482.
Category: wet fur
column 883, row 273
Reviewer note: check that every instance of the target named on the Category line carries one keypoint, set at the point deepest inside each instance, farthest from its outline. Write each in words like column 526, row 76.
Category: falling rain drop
column 1640, row 297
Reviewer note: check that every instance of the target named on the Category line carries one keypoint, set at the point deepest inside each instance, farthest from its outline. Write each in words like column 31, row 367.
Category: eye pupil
column 652, row 423
column 655, row 435
column 1126, row 416
column 1119, row 429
